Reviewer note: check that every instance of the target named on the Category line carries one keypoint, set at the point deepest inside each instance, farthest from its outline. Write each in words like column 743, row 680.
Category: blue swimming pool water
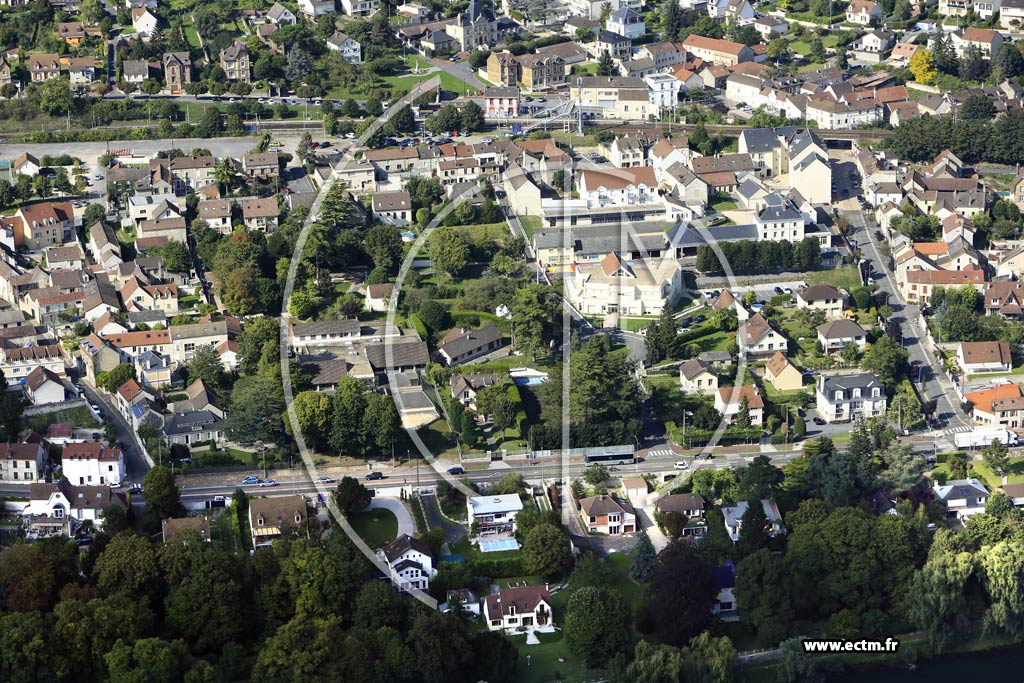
column 499, row 545
column 527, row 381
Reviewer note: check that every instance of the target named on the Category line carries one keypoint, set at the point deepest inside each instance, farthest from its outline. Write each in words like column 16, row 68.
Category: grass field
column 471, row 552
column 78, row 416
column 530, row 223
column 376, row 526
column 847, row 277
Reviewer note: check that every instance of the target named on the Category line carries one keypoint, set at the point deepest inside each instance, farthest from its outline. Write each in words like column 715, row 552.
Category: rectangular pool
column 498, row 545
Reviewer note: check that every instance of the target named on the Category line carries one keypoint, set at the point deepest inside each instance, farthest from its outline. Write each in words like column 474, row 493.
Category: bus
column 619, row 455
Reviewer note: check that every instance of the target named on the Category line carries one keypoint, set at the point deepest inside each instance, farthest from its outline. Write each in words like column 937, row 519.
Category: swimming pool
column 498, row 545
column 527, row 381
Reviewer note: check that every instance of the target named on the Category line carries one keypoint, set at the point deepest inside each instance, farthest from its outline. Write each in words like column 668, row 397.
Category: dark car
column 778, row 290
column 456, row 470
column 374, row 476
column 699, row 318
column 818, row 421
column 135, row 489
column 686, row 322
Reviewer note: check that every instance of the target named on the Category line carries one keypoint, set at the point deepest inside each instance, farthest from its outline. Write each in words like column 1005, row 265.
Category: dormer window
column 839, row 396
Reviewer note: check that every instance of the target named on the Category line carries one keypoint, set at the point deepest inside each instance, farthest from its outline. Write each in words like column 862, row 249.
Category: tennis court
column 498, row 545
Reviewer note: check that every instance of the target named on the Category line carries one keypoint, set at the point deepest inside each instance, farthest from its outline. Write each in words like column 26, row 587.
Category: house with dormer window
column 271, row 518
column 844, row 398
column 411, row 562
column 518, row 609
column 627, row 287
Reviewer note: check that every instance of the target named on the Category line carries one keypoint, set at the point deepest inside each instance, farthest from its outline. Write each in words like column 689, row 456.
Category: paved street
column 135, row 464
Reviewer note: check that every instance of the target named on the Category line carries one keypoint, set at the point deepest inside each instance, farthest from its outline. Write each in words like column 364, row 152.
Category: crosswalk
column 957, row 430
column 660, row 451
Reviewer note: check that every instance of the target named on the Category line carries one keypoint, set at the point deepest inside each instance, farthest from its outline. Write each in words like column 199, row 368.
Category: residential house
column 844, row 398
column 90, row 463
column 627, row 22
column 261, row 165
column 771, row 27
column 43, row 67
column 316, row 8
column 5, row 71
column 616, row 285
column 144, row 22
column 153, row 369
column 60, row 509
column 724, row 576
column 378, row 297
column 349, row 48
column 664, row 89
column 501, row 101
column 410, row 561
column 131, row 400
column 271, row 518
column 43, row 386
column 717, row 51
column 863, row 12
column 986, row 40
column 17, row 362
column 81, row 70
column 216, row 213
column 825, row 298
column 1011, row 14
column 541, row 71
column 394, row 208
column 964, row 498
column 616, row 45
column 988, row 356
column 26, row 164
column 998, row 406
column 758, row 337
column 462, row 345
column 782, row 374
column 44, row 224
column 493, row 514
column 504, row 69
column 71, row 32
column 476, row 27
column 134, row 71
column 281, row 15
column 260, row 213
column 1005, row 298
column 729, row 401
column 185, row 339
column 177, row 526
column 734, row 518
column 517, row 609
column 360, row 8
column 835, row 335
column 66, row 257
column 235, row 62
column 696, row 377
column 608, row 514
column 193, row 428
column 464, row 388
column 918, row 285
column 615, row 97
column 689, row 506
column 22, row 463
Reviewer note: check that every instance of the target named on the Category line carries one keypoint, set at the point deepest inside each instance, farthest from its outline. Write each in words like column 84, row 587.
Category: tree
column 777, row 49
column 596, row 475
column 256, row 409
column 55, row 96
column 922, row 66
column 128, row 565
column 795, row 665
column 32, row 576
column 384, row 245
column 162, row 494
column 94, row 214
column 605, row 65
column 313, row 412
column 957, row 463
column 763, row 594
column 1001, row 567
column 115, row 519
column 374, row 107
column 11, row 409
column 351, row 496
column 997, row 457
column 472, row 118
column 655, row 664
column 546, row 551
column 682, row 593
column 378, row 605
column 441, row 642
column 448, row 250
column 175, row 254
column 644, row 559
column 707, row 659
column 115, row 377
column 753, row 528
column 148, row 659
column 671, row 20
column 1008, row 61
column 596, row 625
column 903, row 467
column 887, row 359
column 348, row 409
column 206, row 365
column 760, row 479
column 977, row 108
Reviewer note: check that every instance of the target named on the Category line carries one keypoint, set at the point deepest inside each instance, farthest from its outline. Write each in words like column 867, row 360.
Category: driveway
column 398, row 509
column 453, row 532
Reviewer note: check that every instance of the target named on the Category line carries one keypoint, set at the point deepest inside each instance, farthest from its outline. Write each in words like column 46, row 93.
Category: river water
column 993, row 667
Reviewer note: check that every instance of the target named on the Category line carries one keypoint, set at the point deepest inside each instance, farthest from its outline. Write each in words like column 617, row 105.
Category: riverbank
column 989, row 657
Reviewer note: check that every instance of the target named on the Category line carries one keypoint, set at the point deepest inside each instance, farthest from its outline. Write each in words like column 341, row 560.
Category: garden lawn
column 530, row 223
column 543, row 665
column 486, row 233
column 79, row 416
column 847, row 277
column 376, row 526
column 472, row 553
column 977, row 468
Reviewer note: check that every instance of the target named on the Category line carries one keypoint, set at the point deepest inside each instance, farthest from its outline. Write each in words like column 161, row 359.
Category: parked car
column 134, row 489
column 323, row 480
column 251, row 479
column 681, row 465
column 819, row 421
column 374, row 476
column 115, row 484
column 778, row 290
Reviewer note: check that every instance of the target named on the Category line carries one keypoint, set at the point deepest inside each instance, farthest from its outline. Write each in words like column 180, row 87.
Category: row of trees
column 755, row 256
column 1000, row 141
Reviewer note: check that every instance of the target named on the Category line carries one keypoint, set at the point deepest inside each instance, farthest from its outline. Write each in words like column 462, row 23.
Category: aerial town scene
column 604, row 341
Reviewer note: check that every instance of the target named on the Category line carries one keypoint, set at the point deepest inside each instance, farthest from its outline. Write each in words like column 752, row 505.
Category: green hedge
column 418, row 325
column 499, row 569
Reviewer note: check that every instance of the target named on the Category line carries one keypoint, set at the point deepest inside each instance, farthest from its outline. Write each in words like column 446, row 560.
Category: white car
column 268, row 483
column 323, row 480
column 681, row 465
column 115, row 484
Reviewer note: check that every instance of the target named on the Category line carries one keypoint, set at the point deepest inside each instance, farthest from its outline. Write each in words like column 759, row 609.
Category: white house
column 836, row 334
column 411, row 562
column 988, row 356
column 517, row 609
column 664, row 89
column 963, row 497
column 43, row 386
column 92, row 464
column 144, row 22
column 729, row 402
column 696, row 377
column 758, row 337
column 734, row 518
column 60, row 508
column 350, row 49
column 494, row 514
column 863, row 12
column 626, row 22
column 624, row 287
column 316, row 8
column 843, row 398
column 21, row 463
